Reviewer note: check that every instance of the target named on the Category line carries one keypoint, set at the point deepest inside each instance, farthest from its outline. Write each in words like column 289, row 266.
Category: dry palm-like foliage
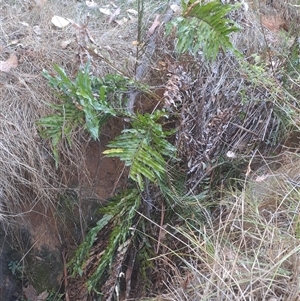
column 227, row 108
column 251, row 250
column 214, row 118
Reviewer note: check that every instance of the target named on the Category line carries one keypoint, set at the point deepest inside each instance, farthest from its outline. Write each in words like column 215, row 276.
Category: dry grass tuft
column 251, row 250
column 27, row 171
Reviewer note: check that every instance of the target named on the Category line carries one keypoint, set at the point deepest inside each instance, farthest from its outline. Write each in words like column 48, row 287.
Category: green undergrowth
column 205, row 27
column 156, row 180
column 87, row 101
column 119, row 215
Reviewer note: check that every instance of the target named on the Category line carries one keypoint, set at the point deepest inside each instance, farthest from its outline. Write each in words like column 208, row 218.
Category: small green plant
column 87, row 101
column 291, row 75
column 16, row 268
column 204, row 26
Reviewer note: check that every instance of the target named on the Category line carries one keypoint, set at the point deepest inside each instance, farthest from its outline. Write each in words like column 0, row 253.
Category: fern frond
column 58, row 126
column 205, row 26
column 83, row 250
column 87, row 101
column 119, row 215
column 143, row 148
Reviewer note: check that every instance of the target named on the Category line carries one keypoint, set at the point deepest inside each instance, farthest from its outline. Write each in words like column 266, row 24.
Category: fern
column 205, row 26
column 83, row 250
column 119, row 214
column 124, row 211
column 87, row 101
column 143, row 148
column 60, row 125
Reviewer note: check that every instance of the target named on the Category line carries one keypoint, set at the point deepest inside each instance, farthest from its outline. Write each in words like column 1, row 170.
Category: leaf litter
column 10, row 63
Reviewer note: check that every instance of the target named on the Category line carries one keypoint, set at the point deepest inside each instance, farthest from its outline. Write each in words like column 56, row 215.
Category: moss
column 44, row 270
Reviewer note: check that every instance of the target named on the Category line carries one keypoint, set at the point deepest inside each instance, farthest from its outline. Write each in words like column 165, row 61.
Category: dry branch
column 146, row 59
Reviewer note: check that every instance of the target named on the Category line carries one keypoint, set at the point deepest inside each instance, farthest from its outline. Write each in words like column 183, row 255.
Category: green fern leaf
column 142, row 148
column 82, row 252
column 206, row 27
column 87, row 101
column 123, row 210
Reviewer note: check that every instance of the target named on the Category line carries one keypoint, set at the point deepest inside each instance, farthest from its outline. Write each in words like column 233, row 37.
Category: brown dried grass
column 250, row 249
column 27, row 173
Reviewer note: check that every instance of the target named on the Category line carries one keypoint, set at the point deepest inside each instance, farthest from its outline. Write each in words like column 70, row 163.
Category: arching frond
column 205, row 27
column 144, row 148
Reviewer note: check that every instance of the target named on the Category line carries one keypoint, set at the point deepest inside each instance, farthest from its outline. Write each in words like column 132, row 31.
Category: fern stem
column 190, row 8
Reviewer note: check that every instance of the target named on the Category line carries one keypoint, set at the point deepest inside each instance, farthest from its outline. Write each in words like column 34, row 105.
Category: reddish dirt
column 105, row 172
column 101, row 176
column 41, row 225
column 99, row 180
column 60, row 226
